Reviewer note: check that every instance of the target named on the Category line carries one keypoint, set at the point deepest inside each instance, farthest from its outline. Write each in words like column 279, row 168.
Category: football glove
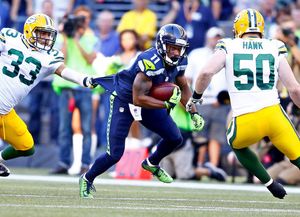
column 188, row 106
column 174, row 99
column 89, row 82
column 198, row 121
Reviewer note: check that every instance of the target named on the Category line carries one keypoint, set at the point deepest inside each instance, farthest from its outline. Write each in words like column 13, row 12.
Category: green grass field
column 46, row 196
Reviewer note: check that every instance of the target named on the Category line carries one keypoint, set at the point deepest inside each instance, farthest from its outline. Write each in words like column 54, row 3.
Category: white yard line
column 152, row 208
column 140, row 183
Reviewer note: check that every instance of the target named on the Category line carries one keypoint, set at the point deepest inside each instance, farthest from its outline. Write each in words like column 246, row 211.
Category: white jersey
column 22, row 67
column 252, row 72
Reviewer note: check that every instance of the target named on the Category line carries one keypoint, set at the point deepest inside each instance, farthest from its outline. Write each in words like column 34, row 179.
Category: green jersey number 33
column 16, row 64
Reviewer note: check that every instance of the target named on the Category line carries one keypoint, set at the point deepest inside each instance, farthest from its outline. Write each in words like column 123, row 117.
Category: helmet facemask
column 173, row 59
column 43, row 38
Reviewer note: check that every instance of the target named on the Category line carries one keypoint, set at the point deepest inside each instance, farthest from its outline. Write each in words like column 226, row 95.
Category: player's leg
column 118, row 125
column 185, row 154
column 244, row 131
column 158, row 121
column 284, row 136
column 66, row 108
column 217, row 133
column 14, row 131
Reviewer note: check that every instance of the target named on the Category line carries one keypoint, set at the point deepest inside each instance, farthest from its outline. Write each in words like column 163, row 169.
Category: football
column 162, row 91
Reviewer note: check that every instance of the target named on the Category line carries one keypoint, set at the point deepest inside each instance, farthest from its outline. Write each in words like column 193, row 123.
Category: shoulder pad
column 56, row 55
column 281, row 47
column 2, row 38
column 221, row 44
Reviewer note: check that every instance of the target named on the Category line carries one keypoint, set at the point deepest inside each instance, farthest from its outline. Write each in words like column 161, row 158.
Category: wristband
column 197, row 95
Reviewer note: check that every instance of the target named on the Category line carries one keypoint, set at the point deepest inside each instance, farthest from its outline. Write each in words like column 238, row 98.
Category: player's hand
column 198, row 121
column 89, row 82
column 174, row 99
column 191, row 102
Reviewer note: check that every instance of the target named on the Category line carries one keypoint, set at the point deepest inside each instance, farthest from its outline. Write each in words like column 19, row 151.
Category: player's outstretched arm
column 288, row 79
column 215, row 63
column 75, row 77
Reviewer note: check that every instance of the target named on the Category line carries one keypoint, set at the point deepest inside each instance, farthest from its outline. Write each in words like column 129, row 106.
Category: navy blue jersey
column 152, row 65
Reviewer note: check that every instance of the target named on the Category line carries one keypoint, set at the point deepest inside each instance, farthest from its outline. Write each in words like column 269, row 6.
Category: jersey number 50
column 238, row 71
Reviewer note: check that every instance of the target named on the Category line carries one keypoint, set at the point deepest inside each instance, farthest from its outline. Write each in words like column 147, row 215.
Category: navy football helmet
column 171, row 34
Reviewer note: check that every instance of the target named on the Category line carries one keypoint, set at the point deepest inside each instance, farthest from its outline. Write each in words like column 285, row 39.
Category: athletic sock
column 10, row 153
column 250, row 161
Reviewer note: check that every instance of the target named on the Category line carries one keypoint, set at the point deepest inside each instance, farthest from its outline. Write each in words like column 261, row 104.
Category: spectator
column 242, row 4
column 286, row 33
column 79, row 53
column 60, row 8
column 185, row 152
column 142, row 20
column 43, row 97
column 73, row 4
column 129, row 42
column 5, row 20
column 222, row 9
column 194, row 17
column 214, row 112
column 285, row 173
column 108, row 43
column 268, row 10
column 20, row 10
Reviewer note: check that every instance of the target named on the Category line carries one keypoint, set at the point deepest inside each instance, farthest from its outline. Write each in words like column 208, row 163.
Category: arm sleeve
column 74, row 76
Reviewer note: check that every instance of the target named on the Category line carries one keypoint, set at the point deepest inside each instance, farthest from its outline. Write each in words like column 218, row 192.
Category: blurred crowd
column 93, row 40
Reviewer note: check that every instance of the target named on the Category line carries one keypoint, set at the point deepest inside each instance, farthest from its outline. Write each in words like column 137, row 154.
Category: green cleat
column 85, row 188
column 158, row 172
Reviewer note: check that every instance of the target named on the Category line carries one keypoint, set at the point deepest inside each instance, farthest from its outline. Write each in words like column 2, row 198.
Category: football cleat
column 4, row 171
column 158, row 172
column 277, row 190
column 215, row 172
column 85, row 188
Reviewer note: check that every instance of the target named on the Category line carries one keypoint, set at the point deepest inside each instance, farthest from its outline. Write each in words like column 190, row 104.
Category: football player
column 25, row 59
column 130, row 101
column 253, row 66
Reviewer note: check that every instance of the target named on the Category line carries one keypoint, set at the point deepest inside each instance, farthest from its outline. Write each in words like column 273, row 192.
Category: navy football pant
column 119, row 122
